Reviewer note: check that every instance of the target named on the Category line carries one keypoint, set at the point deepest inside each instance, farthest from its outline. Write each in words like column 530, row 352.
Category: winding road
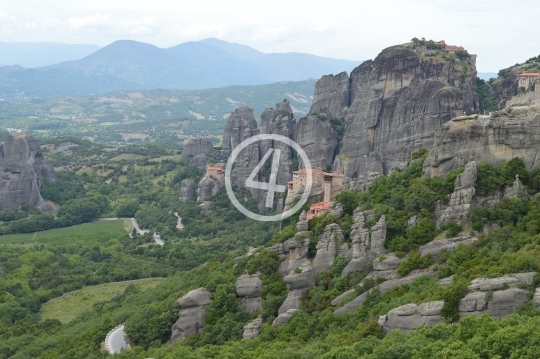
column 116, row 340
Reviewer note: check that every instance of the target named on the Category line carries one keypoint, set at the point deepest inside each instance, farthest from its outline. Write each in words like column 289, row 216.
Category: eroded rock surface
column 434, row 248
column 187, row 190
column 500, row 137
column 365, row 247
column 22, row 174
column 253, row 329
column 497, row 297
column 462, row 197
column 197, row 146
column 393, row 105
column 383, row 288
column 409, row 317
column 248, row 290
column 192, row 314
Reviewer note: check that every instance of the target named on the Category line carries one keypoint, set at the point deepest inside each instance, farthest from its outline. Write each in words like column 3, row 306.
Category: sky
column 501, row 33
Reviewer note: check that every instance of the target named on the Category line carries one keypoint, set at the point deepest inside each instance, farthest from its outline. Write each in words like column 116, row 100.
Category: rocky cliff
column 241, row 125
column 391, row 105
column 22, row 174
column 197, row 150
column 506, row 134
column 192, row 314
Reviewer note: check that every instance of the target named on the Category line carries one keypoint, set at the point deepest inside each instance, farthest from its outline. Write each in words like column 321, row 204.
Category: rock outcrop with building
column 22, row 173
column 392, row 105
column 504, row 135
column 193, row 307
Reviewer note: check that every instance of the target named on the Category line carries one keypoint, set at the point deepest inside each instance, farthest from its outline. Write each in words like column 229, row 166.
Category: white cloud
column 108, row 25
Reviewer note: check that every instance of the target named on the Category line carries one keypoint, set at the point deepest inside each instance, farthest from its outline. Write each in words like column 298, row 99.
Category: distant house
column 526, row 78
column 318, row 209
column 332, row 183
column 216, row 172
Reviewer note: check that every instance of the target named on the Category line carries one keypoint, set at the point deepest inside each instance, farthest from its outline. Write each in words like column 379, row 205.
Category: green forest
column 50, row 257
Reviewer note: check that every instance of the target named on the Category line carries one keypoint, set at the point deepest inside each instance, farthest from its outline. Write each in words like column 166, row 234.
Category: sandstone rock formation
column 383, row 288
column 284, row 318
column 253, row 329
column 331, row 95
column 365, row 248
column 462, row 197
column 240, row 126
column 192, row 314
column 279, row 121
column 411, row 316
column 536, row 299
column 302, row 224
column 248, row 291
column 318, row 139
column 197, row 146
column 22, row 174
column 497, row 297
column 187, row 190
column 434, row 248
column 500, row 137
column 208, row 187
column 385, row 266
column 327, row 248
column 392, row 105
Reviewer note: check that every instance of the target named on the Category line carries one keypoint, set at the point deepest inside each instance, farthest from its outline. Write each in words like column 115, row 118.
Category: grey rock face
column 383, row 288
column 192, row 314
column 462, row 197
column 1, row 271
column 302, row 224
column 208, row 187
column 411, row 316
column 386, row 267
column 497, row 297
column 21, row 174
column 361, row 183
column 240, row 126
column 318, row 139
column 327, row 248
column 297, row 284
column 248, row 290
column 284, row 318
column 396, row 103
column 296, row 251
column 253, row 329
column 536, row 299
column 197, row 146
column 500, row 137
column 337, row 210
column 279, row 121
column 199, row 161
column 187, row 190
column 331, row 95
column 365, row 247
column 434, row 248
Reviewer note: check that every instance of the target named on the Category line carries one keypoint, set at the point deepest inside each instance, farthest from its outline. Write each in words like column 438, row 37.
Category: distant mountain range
column 37, row 54
column 130, row 65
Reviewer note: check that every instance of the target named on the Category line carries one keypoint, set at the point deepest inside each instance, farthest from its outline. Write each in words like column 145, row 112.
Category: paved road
column 116, row 340
column 158, row 239
column 179, row 225
column 136, row 226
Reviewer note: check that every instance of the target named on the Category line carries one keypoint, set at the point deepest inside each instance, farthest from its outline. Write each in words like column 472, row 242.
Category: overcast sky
column 500, row 32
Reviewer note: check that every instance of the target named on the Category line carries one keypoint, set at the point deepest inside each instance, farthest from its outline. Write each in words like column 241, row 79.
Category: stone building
column 216, row 172
column 318, row 209
column 525, row 79
column 331, row 183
